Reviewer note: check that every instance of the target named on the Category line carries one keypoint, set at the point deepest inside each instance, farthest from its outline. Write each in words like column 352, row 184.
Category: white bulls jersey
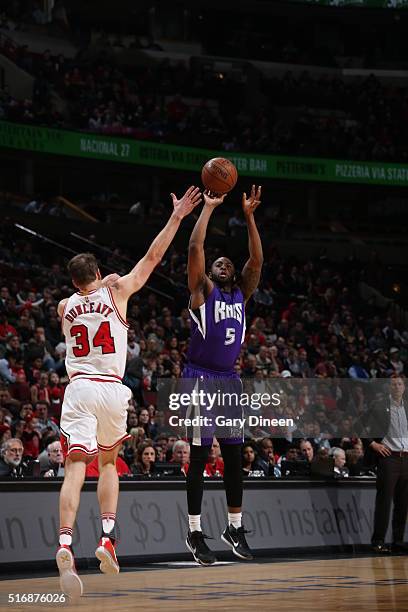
column 96, row 336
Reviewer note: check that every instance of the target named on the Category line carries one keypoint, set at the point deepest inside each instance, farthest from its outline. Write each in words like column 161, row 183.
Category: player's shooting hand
column 110, row 280
column 251, row 203
column 190, row 200
column 212, row 200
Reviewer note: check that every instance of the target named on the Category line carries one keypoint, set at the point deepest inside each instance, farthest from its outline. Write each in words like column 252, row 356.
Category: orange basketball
column 219, row 175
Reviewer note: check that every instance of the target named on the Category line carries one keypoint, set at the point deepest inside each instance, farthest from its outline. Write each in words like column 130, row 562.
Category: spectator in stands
column 215, row 463
column 295, row 462
column 26, row 410
column 319, row 438
column 132, row 420
column 306, row 450
column 44, row 422
column 263, row 358
column 160, row 453
column 391, row 335
column 39, row 391
column 161, row 423
column 357, row 370
column 6, row 329
column 377, row 342
column 43, row 457
column 11, row 459
column 171, row 439
column 13, row 349
column 181, row 454
column 131, row 445
column 133, row 349
column 358, row 447
column 25, row 326
column 56, row 394
column 55, row 467
column 143, row 417
column 134, row 375
column 6, row 373
column 162, row 440
column 340, row 469
column 9, row 405
column 31, row 437
column 39, row 347
column 266, row 459
column 60, row 363
column 357, row 403
column 20, row 389
column 354, row 462
column 292, row 454
column 249, row 461
column 5, row 433
column 145, row 459
column 395, row 361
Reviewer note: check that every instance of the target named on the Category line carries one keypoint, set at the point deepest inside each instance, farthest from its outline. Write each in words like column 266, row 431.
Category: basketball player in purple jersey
column 217, row 310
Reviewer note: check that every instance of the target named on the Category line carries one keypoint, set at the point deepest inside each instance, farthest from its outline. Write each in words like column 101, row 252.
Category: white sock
column 235, row 519
column 65, row 536
column 107, row 525
column 194, row 522
column 65, row 540
column 108, row 522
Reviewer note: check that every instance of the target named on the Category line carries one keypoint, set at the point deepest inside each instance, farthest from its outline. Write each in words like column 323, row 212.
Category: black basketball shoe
column 235, row 538
column 199, row 549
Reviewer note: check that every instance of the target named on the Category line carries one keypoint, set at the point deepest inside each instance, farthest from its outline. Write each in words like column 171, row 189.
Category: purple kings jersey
column 217, row 330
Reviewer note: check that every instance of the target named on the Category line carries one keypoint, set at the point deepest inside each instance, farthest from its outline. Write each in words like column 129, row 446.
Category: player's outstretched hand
column 251, row 203
column 190, row 200
column 213, row 199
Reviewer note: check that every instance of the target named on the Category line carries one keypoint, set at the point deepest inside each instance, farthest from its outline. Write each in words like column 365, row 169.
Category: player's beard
column 224, row 281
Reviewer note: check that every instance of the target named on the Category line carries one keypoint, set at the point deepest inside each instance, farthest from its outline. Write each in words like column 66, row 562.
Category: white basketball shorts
column 94, row 416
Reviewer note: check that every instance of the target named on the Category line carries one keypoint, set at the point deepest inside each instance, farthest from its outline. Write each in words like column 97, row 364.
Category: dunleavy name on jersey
column 96, row 336
column 88, row 308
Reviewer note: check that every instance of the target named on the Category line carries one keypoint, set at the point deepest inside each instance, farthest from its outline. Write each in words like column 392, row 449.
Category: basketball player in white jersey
column 94, row 411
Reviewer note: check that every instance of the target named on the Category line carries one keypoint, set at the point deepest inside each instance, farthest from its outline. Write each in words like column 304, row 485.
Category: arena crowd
column 306, row 322
column 189, row 103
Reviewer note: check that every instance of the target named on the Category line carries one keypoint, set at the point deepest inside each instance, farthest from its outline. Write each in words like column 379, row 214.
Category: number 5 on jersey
column 102, row 338
column 229, row 336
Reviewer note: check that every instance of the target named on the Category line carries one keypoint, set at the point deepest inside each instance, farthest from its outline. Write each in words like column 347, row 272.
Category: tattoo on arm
column 250, row 281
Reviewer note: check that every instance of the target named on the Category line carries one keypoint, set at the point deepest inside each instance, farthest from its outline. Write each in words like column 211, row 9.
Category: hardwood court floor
column 379, row 583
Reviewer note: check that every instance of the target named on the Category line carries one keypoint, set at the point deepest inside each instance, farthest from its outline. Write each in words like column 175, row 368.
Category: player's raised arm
column 132, row 282
column 251, row 272
column 198, row 282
